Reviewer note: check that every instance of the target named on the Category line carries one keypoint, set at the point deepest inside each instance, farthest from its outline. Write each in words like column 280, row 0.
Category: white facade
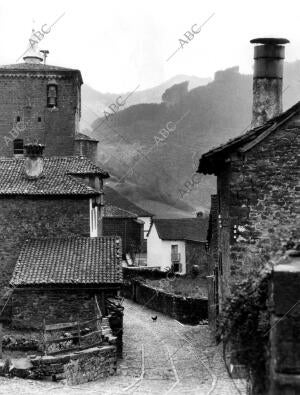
column 159, row 251
column 147, row 224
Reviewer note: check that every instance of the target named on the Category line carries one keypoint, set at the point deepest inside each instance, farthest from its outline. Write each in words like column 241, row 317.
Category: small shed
column 60, row 279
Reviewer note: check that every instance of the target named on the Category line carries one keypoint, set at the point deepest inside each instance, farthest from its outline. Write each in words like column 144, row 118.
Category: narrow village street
column 160, row 357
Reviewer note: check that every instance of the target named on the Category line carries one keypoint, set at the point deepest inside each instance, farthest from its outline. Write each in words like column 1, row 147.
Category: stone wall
column 91, row 365
column 213, row 263
column 130, row 273
column 184, row 309
column 25, row 96
column 22, row 218
column 75, row 368
column 30, row 307
column 86, row 148
column 128, row 229
column 196, row 254
column 259, row 196
column 285, row 329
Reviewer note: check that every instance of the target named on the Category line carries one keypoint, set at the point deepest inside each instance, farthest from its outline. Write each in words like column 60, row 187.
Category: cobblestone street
column 160, row 357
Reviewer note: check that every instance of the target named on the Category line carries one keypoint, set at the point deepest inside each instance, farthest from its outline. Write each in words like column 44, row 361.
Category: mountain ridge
column 154, row 166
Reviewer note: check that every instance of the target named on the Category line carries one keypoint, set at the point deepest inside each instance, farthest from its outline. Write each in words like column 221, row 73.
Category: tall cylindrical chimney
column 34, row 161
column 267, row 79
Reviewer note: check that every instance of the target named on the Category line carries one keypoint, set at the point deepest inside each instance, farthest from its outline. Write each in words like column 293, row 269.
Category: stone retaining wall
column 184, row 309
column 91, row 365
column 78, row 367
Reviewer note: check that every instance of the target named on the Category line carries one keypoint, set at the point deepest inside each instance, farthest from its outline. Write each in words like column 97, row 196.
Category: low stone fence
column 74, row 366
column 184, row 309
column 144, row 272
column 78, row 367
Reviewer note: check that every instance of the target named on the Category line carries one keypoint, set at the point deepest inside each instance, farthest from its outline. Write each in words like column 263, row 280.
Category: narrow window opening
column 175, row 258
column 39, row 119
column 18, row 119
column 52, row 96
column 18, row 147
column 93, row 220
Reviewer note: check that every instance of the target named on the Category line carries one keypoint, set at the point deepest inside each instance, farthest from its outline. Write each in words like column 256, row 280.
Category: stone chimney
column 267, row 79
column 34, row 161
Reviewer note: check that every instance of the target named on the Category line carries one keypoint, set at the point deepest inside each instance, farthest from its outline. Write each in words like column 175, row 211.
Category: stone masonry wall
column 213, row 239
column 30, row 307
column 259, row 196
column 184, row 309
column 86, row 148
column 21, row 219
column 26, row 97
column 196, row 254
column 285, row 329
column 91, row 364
column 129, row 230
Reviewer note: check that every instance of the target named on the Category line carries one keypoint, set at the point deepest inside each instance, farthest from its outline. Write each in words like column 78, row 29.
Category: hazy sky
column 120, row 44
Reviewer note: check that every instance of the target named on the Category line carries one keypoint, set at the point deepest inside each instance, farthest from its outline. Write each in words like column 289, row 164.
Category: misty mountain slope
column 95, row 103
column 150, row 168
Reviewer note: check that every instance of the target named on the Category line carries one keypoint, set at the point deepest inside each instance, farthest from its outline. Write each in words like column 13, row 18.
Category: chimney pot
column 34, row 161
column 267, row 79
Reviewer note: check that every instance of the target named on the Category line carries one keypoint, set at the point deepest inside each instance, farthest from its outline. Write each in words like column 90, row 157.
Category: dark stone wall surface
column 196, row 254
column 22, row 218
column 130, row 231
column 30, row 307
column 25, row 96
column 184, row 309
column 285, row 330
column 259, row 204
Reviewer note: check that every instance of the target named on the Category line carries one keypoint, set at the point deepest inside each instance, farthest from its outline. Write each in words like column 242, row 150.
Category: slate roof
column 116, row 212
column 39, row 70
column 210, row 161
column 193, row 229
column 34, row 66
column 58, row 178
column 71, row 260
column 114, row 198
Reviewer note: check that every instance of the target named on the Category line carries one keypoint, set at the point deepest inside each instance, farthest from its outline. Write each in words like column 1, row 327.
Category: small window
column 52, row 96
column 18, row 119
column 93, row 219
column 18, row 147
column 39, row 119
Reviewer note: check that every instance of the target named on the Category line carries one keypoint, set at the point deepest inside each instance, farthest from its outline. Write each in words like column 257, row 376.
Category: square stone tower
column 39, row 103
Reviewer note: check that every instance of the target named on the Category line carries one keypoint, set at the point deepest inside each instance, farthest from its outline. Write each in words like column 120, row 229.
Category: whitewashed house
column 179, row 244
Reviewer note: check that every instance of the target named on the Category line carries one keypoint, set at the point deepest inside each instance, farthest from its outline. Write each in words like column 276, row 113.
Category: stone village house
column 255, row 213
column 62, row 279
column 49, row 226
column 51, row 206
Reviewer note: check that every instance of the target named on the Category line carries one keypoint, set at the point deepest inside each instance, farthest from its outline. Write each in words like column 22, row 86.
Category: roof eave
column 19, row 285
column 212, row 160
column 90, row 173
column 39, row 195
